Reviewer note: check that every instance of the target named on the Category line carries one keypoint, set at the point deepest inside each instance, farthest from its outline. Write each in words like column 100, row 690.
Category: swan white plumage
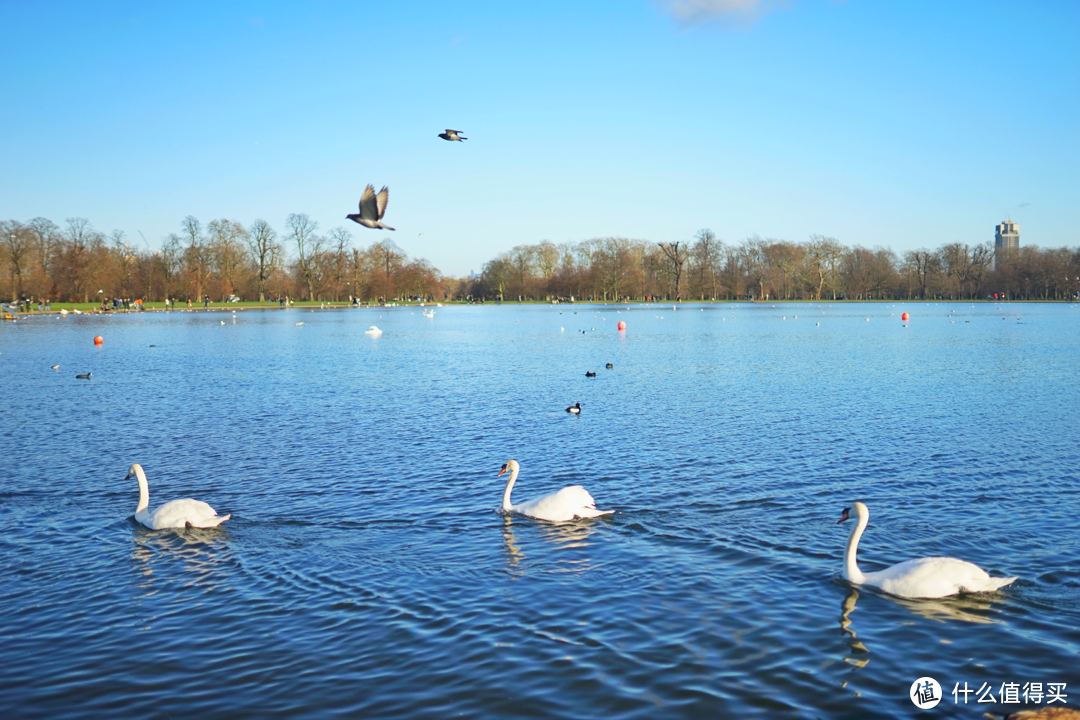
column 373, row 331
column 175, row 513
column 570, row 503
column 932, row 577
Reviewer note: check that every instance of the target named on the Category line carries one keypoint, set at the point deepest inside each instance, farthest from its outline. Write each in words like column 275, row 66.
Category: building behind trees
column 1006, row 242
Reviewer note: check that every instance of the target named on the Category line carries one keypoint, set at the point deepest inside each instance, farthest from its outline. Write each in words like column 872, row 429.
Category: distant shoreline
column 93, row 309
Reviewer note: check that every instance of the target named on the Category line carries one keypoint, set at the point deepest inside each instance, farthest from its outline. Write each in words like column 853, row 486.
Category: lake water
column 366, row 573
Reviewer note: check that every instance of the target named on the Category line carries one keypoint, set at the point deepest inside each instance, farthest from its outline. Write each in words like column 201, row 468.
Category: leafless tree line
column 41, row 260
column 765, row 268
column 77, row 263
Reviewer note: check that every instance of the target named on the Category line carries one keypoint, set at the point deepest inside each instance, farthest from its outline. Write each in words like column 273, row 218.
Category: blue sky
column 903, row 124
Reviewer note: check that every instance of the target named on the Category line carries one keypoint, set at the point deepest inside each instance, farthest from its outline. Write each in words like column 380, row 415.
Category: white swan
column 374, row 331
column 570, row 503
column 173, row 514
column 932, row 577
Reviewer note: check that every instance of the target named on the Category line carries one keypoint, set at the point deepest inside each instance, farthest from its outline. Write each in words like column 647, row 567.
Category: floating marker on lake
column 98, row 340
column 622, row 325
column 904, row 317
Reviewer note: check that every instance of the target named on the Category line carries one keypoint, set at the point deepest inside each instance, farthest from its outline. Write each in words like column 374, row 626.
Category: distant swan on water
column 373, row 331
column 173, row 514
column 932, row 577
column 570, row 503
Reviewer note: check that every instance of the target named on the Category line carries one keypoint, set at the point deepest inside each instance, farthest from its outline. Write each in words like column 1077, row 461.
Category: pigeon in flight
column 372, row 208
column 452, row 135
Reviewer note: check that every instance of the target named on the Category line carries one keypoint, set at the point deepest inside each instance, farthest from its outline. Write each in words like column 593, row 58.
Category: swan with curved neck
column 932, row 577
column 175, row 513
column 570, row 503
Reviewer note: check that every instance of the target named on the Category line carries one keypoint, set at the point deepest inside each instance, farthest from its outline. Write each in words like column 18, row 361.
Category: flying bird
column 372, row 208
column 452, row 135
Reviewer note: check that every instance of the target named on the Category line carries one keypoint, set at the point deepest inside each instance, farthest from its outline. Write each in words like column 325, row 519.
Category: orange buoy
column 904, row 316
column 98, row 340
column 622, row 325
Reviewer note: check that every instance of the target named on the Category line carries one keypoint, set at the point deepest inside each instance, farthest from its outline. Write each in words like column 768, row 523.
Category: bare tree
column 822, row 258
column 732, row 273
column 882, row 272
column 198, row 257
column 613, row 266
column 547, row 258
column 387, row 258
column 496, row 273
column 76, row 270
column 124, row 265
column 706, row 255
column 266, row 253
column 419, row 279
column 46, row 238
column 338, row 258
column 227, row 239
column 753, row 260
column 858, row 272
column 170, row 262
column 16, row 242
column 924, row 266
column 522, row 258
column 308, row 247
column 982, row 257
column 784, row 260
column 677, row 258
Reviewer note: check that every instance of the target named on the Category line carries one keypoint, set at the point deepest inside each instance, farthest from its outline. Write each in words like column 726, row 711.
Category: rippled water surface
column 365, row 570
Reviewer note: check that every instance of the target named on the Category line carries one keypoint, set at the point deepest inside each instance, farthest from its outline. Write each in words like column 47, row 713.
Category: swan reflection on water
column 858, row 650
column 201, row 553
column 564, row 536
column 960, row 608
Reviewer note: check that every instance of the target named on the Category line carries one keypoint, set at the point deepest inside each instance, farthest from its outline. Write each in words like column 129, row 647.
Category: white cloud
column 734, row 12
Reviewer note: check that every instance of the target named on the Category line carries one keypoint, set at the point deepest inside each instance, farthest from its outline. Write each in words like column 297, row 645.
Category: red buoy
column 622, row 325
column 904, row 316
column 98, row 340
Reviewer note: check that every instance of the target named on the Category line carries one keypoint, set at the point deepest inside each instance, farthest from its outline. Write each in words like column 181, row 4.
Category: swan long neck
column 506, row 506
column 851, row 567
column 144, row 491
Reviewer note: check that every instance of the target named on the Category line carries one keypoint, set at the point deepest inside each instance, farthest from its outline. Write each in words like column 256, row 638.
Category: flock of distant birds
column 373, row 204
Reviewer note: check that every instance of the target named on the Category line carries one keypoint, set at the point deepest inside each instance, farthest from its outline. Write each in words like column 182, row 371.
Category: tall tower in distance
column 1006, row 240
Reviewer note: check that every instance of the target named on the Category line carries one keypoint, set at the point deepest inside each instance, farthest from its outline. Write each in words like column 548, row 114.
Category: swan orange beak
column 843, row 517
column 501, row 471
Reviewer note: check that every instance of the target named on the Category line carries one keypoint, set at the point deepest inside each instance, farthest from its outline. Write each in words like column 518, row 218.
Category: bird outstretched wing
column 380, row 201
column 368, row 208
column 453, row 132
